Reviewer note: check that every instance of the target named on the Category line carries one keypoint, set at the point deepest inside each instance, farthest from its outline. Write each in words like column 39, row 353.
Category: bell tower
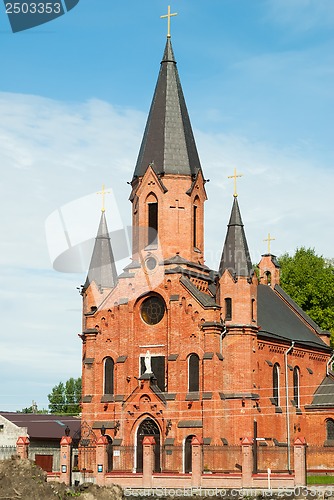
column 168, row 191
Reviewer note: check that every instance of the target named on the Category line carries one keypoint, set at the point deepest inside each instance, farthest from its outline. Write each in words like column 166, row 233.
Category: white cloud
column 53, row 153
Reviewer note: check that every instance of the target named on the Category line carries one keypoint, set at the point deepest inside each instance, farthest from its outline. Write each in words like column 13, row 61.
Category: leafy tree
column 65, row 398
column 309, row 280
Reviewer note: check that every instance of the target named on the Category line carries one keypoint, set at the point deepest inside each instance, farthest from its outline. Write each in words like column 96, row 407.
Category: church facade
column 173, row 349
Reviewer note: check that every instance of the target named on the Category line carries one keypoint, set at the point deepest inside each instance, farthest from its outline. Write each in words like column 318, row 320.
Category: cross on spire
column 269, row 239
column 234, row 176
column 168, row 15
column 103, row 192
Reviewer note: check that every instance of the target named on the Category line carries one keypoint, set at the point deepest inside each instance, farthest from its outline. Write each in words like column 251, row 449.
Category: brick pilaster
column 148, row 460
column 247, row 462
column 299, row 450
column 22, row 446
column 65, row 459
column 196, row 457
column 101, row 460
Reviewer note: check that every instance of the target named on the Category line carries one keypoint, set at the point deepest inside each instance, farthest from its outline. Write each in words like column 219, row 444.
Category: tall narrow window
column 228, row 309
column 330, row 429
column 296, row 386
column 152, row 223
column 195, row 225
column 193, row 373
column 253, row 309
column 108, row 376
column 276, row 396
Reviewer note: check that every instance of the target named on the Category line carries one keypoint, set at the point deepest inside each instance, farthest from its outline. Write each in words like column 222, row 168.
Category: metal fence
column 320, row 457
column 218, row 458
column 274, row 458
column 123, row 458
column 171, row 458
column 7, row 452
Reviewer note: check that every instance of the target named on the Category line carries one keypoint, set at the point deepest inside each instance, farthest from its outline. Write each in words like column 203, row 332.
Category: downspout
column 287, row 403
column 222, row 335
column 330, row 361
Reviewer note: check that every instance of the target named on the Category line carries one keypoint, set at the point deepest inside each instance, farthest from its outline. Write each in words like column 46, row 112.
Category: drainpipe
column 287, row 402
column 330, row 361
column 222, row 335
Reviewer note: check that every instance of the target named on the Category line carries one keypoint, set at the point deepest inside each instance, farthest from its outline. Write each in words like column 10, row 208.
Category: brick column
column 196, row 461
column 247, row 462
column 299, row 451
column 65, row 459
column 101, row 460
column 148, row 460
column 22, row 446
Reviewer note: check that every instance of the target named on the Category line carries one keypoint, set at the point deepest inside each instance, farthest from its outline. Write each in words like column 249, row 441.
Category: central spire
column 168, row 144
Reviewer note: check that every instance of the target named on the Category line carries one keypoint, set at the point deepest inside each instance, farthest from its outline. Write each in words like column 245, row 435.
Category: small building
column 44, row 432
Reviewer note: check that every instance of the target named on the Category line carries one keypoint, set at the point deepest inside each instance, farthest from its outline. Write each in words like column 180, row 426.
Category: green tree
column 65, row 398
column 309, row 280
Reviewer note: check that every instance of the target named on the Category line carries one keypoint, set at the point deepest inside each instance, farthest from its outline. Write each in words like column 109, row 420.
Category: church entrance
column 148, row 428
column 109, row 454
column 188, row 466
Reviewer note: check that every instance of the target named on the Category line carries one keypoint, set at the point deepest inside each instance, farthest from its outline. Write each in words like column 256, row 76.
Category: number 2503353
column 33, row 8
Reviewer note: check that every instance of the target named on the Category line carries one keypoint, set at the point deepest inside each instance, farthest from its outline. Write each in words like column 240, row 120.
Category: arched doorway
column 148, row 428
column 188, row 454
column 110, row 453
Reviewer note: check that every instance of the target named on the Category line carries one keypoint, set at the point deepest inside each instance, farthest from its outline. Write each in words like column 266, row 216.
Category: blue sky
column 258, row 80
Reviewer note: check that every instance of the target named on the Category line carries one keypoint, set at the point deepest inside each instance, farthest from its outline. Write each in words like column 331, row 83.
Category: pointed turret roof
column 168, row 143
column 102, row 267
column 235, row 256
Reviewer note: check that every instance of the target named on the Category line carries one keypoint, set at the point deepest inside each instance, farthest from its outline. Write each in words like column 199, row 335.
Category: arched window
column 330, row 429
column 296, row 386
column 152, row 219
column 276, row 395
column 267, row 276
column 108, row 376
column 188, row 454
column 193, row 373
column 253, row 309
column 228, row 309
column 195, row 222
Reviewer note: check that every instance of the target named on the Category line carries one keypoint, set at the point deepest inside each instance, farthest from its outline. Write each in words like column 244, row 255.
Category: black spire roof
column 102, row 267
column 235, row 256
column 168, row 143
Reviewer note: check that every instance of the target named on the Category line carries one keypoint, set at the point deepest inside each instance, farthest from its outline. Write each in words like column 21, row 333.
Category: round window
column 152, row 310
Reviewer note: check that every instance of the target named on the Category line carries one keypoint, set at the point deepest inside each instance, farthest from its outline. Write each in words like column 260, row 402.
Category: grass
column 320, row 480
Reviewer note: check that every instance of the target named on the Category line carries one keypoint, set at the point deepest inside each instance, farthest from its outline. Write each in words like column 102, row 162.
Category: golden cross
column 103, row 192
column 269, row 239
column 168, row 15
column 234, row 176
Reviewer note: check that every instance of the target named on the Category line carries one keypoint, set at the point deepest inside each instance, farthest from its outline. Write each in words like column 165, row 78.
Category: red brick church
column 173, row 349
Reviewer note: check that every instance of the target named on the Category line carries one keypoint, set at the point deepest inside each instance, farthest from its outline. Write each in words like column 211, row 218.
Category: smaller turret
column 102, row 274
column 269, row 270
column 237, row 283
